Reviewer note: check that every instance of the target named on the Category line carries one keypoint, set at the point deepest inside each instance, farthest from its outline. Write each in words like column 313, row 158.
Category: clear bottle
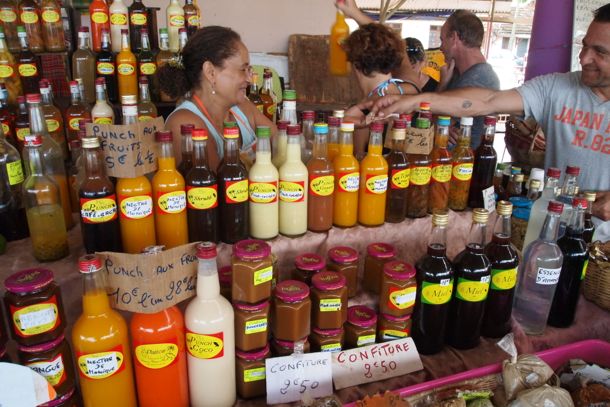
column 461, row 172
column 13, row 222
column 9, row 21
column 307, row 119
column 438, row 192
column 293, row 187
column 83, row 64
column 267, row 95
column 373, row 180
column 52, row 26
column 75, row 172
column 100, row 19
column 147, row 65
column 279, row 154
column 126, row 63
column 106, row 68
column 77, row 111
column 538, row 211
column 289, row 106
column 163, row 56
column 147, row 110
column 9, row 72
column 28, row 65
column 209, row 318
column 515, row 186
column 347, row 180
column 538, row 275
column 263, row 180
column 485, row 158
column 321, row 183
column 53, row 118
column 29, row 16
column 175, row 21
column 119, row 20
column 337, row 57
column 102, row 112
column 399, row 174
column 191, row 17
column 129, row 109
column 138, row 20
column 186, row 143
column 7, row 116
column 569, row 190
column 589, row 228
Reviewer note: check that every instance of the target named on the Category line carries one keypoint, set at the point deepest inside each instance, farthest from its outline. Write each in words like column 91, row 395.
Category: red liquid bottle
column 485, row 159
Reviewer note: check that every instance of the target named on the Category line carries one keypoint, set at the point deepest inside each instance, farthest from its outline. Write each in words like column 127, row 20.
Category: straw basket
column 525, row 142
column 597, row 279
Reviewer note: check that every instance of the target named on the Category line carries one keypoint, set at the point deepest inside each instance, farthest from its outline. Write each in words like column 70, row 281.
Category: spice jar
column 328, row 300
column 377, row 255
column 291, row 311
column 306, row 265
column 251, row 325
column 250, row 370
column 344, row 260
column 360, row 326
column 398, row 289
column 52, row 360
column 34, row 306
column 390, row 327
column 287, row 348
column 68, row 400
column 224, row 278
column 326, row 340
column 252, row 271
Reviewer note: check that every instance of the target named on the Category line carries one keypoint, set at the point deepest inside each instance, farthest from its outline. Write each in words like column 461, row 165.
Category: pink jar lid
column 380, row 250
column 289, row 344
column 571, row 170
column 60, row 400
column 328, row 280
column 258, row 354
column 328, row 332
column 361, row 316
column 251, row 307
column 343, row 254
column 396, row 319
column 43, row 347
column 399, row 270
column 27, row 281
column 282, row 124
column 334, row 121
column 225, row 275
column 308, row 115
column 291, row 291
column 251, row 250
column 310, row 262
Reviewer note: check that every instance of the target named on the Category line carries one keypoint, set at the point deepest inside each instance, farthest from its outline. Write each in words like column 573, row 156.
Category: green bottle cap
column 263, row 131
column 290, row 94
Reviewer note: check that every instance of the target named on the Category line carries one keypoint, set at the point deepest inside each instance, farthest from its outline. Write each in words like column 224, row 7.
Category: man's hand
column 601, row 206
column 389, row 104
column 355, row 113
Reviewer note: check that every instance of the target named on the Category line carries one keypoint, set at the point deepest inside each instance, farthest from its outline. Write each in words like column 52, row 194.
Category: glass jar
column 291, row 311
column 326, row 340
column 250, row 371
column 390, row 328
column 328, row 300
column 306, row 265
column 251, row 325
column 344, row 260
column 34, row 306
column 287, row 348
column 360, row 326
column 398, row 289
column 224, row 278
column 252, row 271
column 69, row 400
column 377, row 255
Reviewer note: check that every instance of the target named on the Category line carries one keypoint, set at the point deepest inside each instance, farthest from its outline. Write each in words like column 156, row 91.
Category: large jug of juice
column 373, row 180
column 337, row 58
column 347, row 179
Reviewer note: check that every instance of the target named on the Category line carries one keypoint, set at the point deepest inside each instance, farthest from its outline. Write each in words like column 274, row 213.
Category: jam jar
column 326, row 340
column 53, row 360
column 328, row 300
column 251, row 325
column 377, row 255
column 250, row 373
column 68, row 400
column 390, row 327
column 291, row 311
column 360, row 326
column 287, row 348
column 345, row 260
column 398, row 289
column 252, row 271
column 306, row 265
column 224, row 278
column 34, row 306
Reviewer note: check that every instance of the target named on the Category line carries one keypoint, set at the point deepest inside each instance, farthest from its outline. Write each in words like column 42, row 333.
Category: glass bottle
column 421, row 170
column 504, row 262
column 373, row 180
column 538, row 275
column 191, row 17
column 129, row 109
column 29, row 18
column 472, row 277
column 573, row 270
column 399, row 174
column 22, row 123
column 307, row 120
column 9, row 23
column 13, row 222
column 499, row 190
column 75, row 172
column 169, row 196
column 438, row 197
column 175, row 21
column 201, row 193
column 267, row 95
column 43, row 206
column 461, row 172
column 293, row 187
column 533, row 192
column 254, row 96
column 27, row 64
column 106, row 68
column 138, row 19
column 53, row 118
column 569, row 189
column 337, row 57
column 83, row 64
column 321, row 183
column 263, row 180
column 163, row 56
column 279, row 146
column 9, row 71
column 186, row 142
column 100, row 18
column 589, row 227
column 100, row 341
column 515, row 186
column 126, row 67
column 147, row 65
column 434, row 289
column 485, row 159
column 347, row 180
column 334, row 124
column 102, row 112
column 52, row 26
column 7, row 116
column 538, row 211
column 289, row 106
column 146, row 109
column 77, row 111
column 119, row 20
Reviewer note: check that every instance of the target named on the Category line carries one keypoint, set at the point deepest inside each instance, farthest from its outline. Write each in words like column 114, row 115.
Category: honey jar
column 291, row 311
column 377, row 255
column 344, row 260
column 252, row 271
column 328, row 300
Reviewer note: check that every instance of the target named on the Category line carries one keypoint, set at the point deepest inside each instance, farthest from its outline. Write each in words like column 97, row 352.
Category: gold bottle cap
column 91, row 142
column 504, row 208
column 590, row 196
column 440, row 217
column 480, row 215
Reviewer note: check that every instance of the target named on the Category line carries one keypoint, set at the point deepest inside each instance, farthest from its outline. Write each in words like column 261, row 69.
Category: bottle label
column 254, row 375
column 27, row 70
column 118, row 19
column 260, row 107
column 8, row 16
column 202, row 198
column 349, row 181
column 105, row 68
column 400, row 299
column 138, row 19
column 176, row 20
column 583, row 274
column 236, row 191
column 52, row 125
column 420, row 175
column 263, row 192
column 14, row 171
column 73, row 123
column 101, row 365
column 473, row 291
column 441, row 173
column 210, row 346
column 103, row 120
column 463, row 171
column 148, row 68
column 365, row 340
column 270, row 111
column 35, row 319
column 21, row 133
column 98, row 210
column 6, row 71
column 330, row 305
column 171, row 202
column 376, row 184
column 400, row 179
column 292, row 191
column 256, row 326
column 193, row 21
column 331, row 347
column 50, row 16
column 322, row 186
column 391, row 334
column 136, row 207
column 29, row 17
column 6, row 129
column 126, row 69
column 437, row 293
column 53, row 370
column 99, row 17
column 156, row 355
column 145, row 118
column 546, row 276
column 263, row 275
column 503, row 279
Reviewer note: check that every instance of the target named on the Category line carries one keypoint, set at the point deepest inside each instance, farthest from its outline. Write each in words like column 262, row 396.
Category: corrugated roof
column 476, row 6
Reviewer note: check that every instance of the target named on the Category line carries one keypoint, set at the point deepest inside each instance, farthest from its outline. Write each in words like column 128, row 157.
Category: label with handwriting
column 323, row 185
column 171, row 202
column 98, row 210
column 202, row 198
column 101, row 365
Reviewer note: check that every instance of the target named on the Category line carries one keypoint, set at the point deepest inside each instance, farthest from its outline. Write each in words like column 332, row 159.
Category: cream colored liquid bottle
column 263, row 190
column 119, row 20
column 293, row 187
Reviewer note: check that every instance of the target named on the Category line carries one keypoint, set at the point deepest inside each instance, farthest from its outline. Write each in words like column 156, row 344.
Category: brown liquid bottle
column 461, row 173
column 485, row 159
column 186, row 142
column 77, row 111
column 29, row 18
column 421, row 171
column 27, row 64
column 321, row 183
column 438, row 197
column 52, row 115
column 399, row 174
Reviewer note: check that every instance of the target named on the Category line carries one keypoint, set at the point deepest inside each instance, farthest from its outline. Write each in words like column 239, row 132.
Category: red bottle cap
column 334, row 121
column 144, row 30
column 32, row 97
column 489, row 121
column 399, row 270
column 83, row 29
column 143, row 80
column 89, row 263
column 555, row 207
column 231, row 132
column 406, row 117
column 380, row 250
column 400, row 124
column 553, row 172
column 100, row 81
column 187, row 128
column 308, row 115
column 33, row 140
column 291, row 291
column 124, row 31
column 251, row 250
column 20, row 99
column 310, row 262
column 361, row 316
column 43, row 83
column 206, row 250
column 582, row 201
column 163, row 136
column 282, row 124
column 572, row 170
column 181, row 30
column 105, row 30
column 27, row 281
column 342, row 254
column 328, row 280
column 294, row 129
column 376, row 126
column 424, row 106
column 199, row 134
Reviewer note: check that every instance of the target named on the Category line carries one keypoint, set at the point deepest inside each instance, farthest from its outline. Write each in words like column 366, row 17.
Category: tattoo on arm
column 466, row 104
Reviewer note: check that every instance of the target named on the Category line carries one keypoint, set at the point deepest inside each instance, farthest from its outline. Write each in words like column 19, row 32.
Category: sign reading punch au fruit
column 129, row 150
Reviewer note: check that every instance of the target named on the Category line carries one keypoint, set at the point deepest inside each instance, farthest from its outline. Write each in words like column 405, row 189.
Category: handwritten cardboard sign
column 150, row 283
column 291, row 378
column 419, row 141
column 129, row 150
column 375, row 362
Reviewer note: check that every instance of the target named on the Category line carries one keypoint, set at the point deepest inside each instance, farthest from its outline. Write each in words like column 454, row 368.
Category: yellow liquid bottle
column 333, row 137
column 126, row 63
column 347, row 180
column 373, row 181
column 337, row 58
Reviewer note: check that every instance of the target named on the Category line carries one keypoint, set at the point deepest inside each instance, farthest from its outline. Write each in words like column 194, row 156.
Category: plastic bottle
column 100, row 18
column 538, row 212
column 83, row 63
column 175, row 21
column 438, row 193
column 373, row 180
column 321, row 183
column 263, row 180
column 337, row 58
column 347, row 180
column 119, row 20
column 293, row 187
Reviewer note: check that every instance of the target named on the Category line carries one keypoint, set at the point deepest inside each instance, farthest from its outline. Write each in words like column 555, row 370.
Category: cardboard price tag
column 150, row 283
column 290, row 378
column 375, row 362
column 419, row 141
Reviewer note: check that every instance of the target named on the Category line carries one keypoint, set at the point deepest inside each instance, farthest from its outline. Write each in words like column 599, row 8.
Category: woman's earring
column 213, row 90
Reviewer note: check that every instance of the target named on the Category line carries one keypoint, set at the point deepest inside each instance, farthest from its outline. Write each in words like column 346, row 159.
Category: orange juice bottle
column 347, row 179
column 333, row 137
column 101, row 344
column 136, row 213
column 169, row 197
column 373, row 180
column 337, row 61
column 126, row 63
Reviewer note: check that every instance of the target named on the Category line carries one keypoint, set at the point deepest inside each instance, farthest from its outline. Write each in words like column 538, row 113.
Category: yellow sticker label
column 420, row 175
column 73, row 123
column 205, row 346
column 5, row 129
column 254, row 375
column 14, row 171
column 8, row 16
column 98, row 210
column 35, row 319
column 138, row 19
column 52, row 125
column 156, row 355
column 472, row 291
column 292, row 191
column 256, row 326
column 53, row 370
column 263, row 192
column 172, row 202
column 176, row 20
column 145, row 118
column 400, row 179
column 118, row 19
column 202, row 197
column 462, row 172
column 365, row 340
column 99, row 17
column 583, row 274
column 437, row 293
column 263, row 275
column 323, row 185
column 50, row 16
column 103, row 120
column 236, row 191
column 21, row 133
column 403, row 299
column 29, row 17
column 330, row 305
column 376, row 184
column 441, row 173
column 503, row 279
column 6, row 71
column 136, row 207
column 148, row 68
column 126, row 69
column 193, row 21
column 27, row 70
column 393, row 334
column 105, row 68
column 349, row 182
column 331, row 347
column 100, row 365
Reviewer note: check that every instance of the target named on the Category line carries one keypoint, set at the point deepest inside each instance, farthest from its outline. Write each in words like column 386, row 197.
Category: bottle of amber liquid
column 52, row 26
column 83, row 65
column 191, row 17
column 485, row 159
column 53, row 118
column 373, row 180
column 268, row 96
column 461, row 173
column 27, row 64
column 106, row 68
column 77, row 111
column 9, row 72
column 347, row 180
column 22, row 123
column 254, row 95
column 321, row 183
column 9, row 19
column 438, row 197
column 146, row 109
column 399, row 174
column 589, row 228
column 421, row 170
column 29, row 18
column 163, row 56
column 7, row 116
column 147, row 65
column 126, row 68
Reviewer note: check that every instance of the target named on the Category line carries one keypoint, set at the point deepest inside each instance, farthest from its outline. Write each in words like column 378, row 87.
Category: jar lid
column 59, row 401
column 572, row 170
column 258, row 354
column 291, row 291
column 380, row 250
column 399, row 270
column 392, row 318
column 553, row 172
column 361, row 316
column 309, row 261
column 328, row 332
column 27, row 281
column 225, row 275
column 328, row 280
column 343, row 254
column 376, row 126
column 43, row 347
column 251, row 307
column 251, row 249
column 289, row 344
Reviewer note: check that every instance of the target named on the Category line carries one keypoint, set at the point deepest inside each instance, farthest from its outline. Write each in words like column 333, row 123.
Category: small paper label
column 27, row 70
column 29, row 17
column 99, row 17
column 136, row 207
column 291, row 191
column 118, row 19
column 263, row 192
column 126, row 69
column 400, row 179
column 98, row 210
column 546, row 276
column 472, row 291
column 14, row 171
column 254, row 375
column 202, row 198
column 156, row 355
column 210, row 346
column 6, row 129
column 289, row 377
column 256, row 326
column 349, row 182
column 503, row 279
column 391, row 334
column 21, row 133
column 171, row 202
column 402, row 298
column 53, row 370
column 365, row 340
column 463, row 171
column 437, row 294
column 105, row 68
column 331, row 347
column 441, row 173
column 330, row 305
column 8, row 16
column 263, row 275
column 323, row 185
column 52, row 125
column 35, row 319
column 148, row 68
column 489, row 199
column 376, row 184
column 101, row 365
column 103, row 120
column 236, row 191
column 420, row 175
column 73, row 123
column 193, row 21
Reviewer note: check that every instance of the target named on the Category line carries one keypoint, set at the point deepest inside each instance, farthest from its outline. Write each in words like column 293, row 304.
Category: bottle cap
column 199, row 135
column 100, row 81
column 181, row 30
column 42, row 347
column 251, row 307
column 399, row 270
column 229, row 124
column 308, row 115
column 43, row 83
column 143, row 80
column 580, row 200
column 328, row 280
column 251, row 250
column 105, row 30
column 393, row 318
column 290, row 94
column 33, row 140
column 537, row 173
column 320, row 128
column 424, row 106
column 91, row 142
column 572, row 170
column 381, row 250
column 124, row 31
column 20, row 99
column 334, row 121
column 504, row 208
column 144, row 30
column 163, row 136
column 466, row 121
column 263, row 131
column 361, row 316
column 480, row 215
column 376, row 127
column 186, row 128
column 309, row 262
column 340, row 114
column 206, row 250
column 163, row 31
column 291, row 291
column 406, row 117
column 89, row 263
column 489, row 121
column 32, row 97
column 553, row 172
column 440, row 217
column 444, row 120
column 347, row 126
column 129, row 100
column 342, row 255
column 399, row 124
column 294, row 129
column 590, row 195
column 27, row 281
column 231, row 133
column 82, row 29
column 555, row 207
column 282, row 124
